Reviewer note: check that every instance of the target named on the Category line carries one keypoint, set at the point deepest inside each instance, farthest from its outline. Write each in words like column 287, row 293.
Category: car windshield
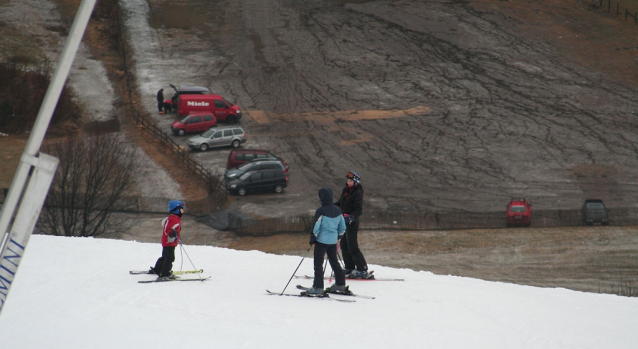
column 246, row 166
column 517, row 209
column 208, row 133
column 595, row 206
column 246, row 175
column 183, row 121
column 227, row 102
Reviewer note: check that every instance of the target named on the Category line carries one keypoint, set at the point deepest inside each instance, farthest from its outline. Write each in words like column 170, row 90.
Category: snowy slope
column 77, row 293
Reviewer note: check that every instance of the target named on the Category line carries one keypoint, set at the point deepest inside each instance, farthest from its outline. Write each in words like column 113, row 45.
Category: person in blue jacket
column 328, row 227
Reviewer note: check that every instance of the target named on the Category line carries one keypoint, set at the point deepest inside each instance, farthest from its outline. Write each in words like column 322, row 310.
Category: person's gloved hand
column 313, row 240
column 349, row 219
column 172, row 236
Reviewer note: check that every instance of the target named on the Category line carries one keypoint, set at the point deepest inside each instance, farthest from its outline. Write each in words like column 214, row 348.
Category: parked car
column 255, row 165
column 218, row 137
column 195, row 122
column 594, row 211
column 258, row 181
column 238, row 157
column 213, row 104
column 519, row 212
column 187, row 90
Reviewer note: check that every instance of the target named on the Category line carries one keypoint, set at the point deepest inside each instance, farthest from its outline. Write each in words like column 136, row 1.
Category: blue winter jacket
column 328, row 225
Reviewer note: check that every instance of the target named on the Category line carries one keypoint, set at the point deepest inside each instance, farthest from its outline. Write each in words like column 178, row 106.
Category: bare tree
column 94, row 173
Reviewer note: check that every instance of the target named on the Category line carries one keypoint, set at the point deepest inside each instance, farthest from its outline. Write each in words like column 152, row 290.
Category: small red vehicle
column 519, row 212
column 195, row 122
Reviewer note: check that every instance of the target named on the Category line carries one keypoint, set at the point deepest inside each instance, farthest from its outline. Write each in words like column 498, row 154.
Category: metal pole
column 30, row 161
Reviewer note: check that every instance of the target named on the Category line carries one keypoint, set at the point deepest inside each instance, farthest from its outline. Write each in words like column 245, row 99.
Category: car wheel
column 203, row 147
column 241, row 191
column 181, row 132
column 236, row 143
column 279, row 189
column 231, row 119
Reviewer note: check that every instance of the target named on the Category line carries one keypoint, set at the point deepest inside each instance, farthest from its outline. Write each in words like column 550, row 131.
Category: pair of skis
column 325, row 296
column 308, row 277
column 178, row 278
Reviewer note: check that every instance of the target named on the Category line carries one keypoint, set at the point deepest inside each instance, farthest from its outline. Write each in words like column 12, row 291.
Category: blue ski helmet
column 175, row 205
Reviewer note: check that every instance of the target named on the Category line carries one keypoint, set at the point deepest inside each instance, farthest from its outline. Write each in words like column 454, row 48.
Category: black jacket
column 352, row 204
column 160, row 96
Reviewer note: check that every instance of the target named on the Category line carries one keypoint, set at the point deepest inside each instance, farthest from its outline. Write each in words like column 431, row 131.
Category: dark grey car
column 255, row 165
column 258, row 181
column 594, row 211
column 218, row 137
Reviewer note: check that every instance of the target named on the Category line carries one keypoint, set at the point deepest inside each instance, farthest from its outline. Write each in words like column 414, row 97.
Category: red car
column 519, row 212
column 195, row 122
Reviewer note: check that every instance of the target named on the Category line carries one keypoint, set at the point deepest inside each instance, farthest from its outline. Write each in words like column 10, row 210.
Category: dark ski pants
column 352, row 256
column 331, row 250
column 160, row 106
column 164, row 264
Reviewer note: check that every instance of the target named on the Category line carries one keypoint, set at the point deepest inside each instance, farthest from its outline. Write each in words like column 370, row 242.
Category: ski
column 271, row 293
column 308, row 277
column 180, row 279
column 339, row 294
column 180, row 272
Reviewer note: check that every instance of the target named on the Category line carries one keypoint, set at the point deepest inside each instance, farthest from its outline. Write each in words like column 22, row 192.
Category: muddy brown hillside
column 441, row 106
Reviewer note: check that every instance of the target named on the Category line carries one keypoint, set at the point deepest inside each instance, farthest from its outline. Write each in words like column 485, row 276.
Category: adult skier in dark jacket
column 327, row 228
column 351, row 204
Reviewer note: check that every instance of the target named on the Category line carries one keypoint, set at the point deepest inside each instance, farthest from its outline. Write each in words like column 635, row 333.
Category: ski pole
column 293, row 274
column 343, row 265
column 189, row 259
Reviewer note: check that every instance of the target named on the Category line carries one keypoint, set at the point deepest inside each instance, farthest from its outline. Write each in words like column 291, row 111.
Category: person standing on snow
column 171, row 233
column 328, row 227
column 160, row 100
column 351, row 203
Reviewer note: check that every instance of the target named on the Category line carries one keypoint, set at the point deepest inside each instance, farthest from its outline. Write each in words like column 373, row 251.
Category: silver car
column 218, row 137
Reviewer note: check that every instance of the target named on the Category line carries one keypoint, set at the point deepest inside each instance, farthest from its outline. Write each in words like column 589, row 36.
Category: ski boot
column 169, row 277
column 342, row 289
column 314, row 292
column 356, row 274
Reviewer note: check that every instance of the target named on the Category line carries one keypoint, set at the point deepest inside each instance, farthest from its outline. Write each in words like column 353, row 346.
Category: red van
column 222, row 109
column 195, row 122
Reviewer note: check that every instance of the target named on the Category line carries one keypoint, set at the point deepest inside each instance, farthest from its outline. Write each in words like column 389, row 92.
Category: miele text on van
column 198, row 104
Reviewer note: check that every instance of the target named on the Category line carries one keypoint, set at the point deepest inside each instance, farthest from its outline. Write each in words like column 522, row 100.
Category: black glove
column 313, row 240
column 172, row 236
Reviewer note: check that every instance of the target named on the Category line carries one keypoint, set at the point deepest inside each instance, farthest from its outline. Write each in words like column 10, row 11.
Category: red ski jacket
column 170, row 224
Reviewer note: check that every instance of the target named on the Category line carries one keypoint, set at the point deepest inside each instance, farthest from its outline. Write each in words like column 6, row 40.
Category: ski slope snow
column 77, row 293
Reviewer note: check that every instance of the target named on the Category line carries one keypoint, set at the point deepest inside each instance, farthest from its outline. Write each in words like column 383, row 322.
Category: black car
column 258, row 181
column 255, row 165
column 594, row 211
